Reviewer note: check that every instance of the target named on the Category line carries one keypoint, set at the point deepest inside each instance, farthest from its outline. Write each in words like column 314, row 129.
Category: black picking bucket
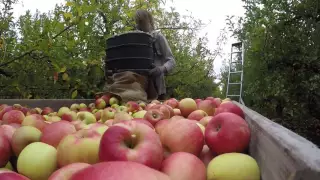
column 130, row 51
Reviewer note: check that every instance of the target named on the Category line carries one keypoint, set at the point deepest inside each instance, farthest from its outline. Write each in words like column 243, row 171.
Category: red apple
column 46, row 111
column 204, row 121
column 184, row 166
column 160, row 125
column 167, row 114
column 198, row 100
column 15, row 125
column 132, row 106
column 24, row 136
column 153, row 116
column 66, row 172
column 229, row 107
column 174, row 118
column 5, row 110
column 100, row 103
column 13, row 116
column 207, row 106
column 182, row 135
column 217, row 102
column 10, row 175
column 53, row 133
column 156, row 102
column 227, row 132
column 119, row 170
column 187, row 106
column 150, row 105
column 82, row 146
column 172, row 102
column 140, row 120
column 210, row 98
column 98, row 114
column 197, row 115
column 34, row 120
column 69, row 116
column 131, row 141
column 106, row 98
column 206, row 155
column 5, row 149
column 8, row 131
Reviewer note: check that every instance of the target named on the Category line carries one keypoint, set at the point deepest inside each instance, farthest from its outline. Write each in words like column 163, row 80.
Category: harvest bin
column 280, row 153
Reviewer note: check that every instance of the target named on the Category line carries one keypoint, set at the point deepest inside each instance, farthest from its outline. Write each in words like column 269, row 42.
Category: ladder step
column 233, row 95
column 234, row 83
column 236, row 52
column 234, row 62
column 236, row 72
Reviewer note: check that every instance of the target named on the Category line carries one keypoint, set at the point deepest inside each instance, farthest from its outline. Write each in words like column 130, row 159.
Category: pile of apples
column 187, row 139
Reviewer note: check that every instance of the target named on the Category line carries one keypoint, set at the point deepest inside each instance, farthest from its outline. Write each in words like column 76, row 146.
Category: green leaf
column 63, row 69
column 74, row 94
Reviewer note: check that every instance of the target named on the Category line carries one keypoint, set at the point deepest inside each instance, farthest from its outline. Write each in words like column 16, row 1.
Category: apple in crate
column 47, row 110
column 143, row 121
column 5, row 110
column 197, row 115
column 37, row 161
column 119, row 170
column 5, row 149
column 53, row 133
column 66, row 172
column 166, row 110
column 132, row 106
column 35, row 120
column 8, row 131
column 160, row 125
column 187, row 106
column 229, row 107
column 139, row 114
column 75, row 107
column 176, row 112
column 63, row 110
column 113, row 101
column 153, row 116
column 24, row 136
column 233, row 166
column 100, row 103
column 182, row 136
column 184, row 166
column 107, row 113
column 206, row 155
column 204, row 121
column 82, row 146
column 207, row 106
column 13, row 116
column 69, row 116
column 10, row 175
column 98, row 127
column 172, row 102
column 106, row 98
column 86, row 117
column 121, row 116
column 227, row 132
column 131, row 141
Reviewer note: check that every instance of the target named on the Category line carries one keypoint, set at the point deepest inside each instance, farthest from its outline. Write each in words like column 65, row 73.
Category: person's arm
column 167, row 53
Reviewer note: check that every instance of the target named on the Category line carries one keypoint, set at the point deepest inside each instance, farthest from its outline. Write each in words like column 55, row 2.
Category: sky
column 213, row 11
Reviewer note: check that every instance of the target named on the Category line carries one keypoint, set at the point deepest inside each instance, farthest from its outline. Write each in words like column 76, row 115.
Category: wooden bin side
column 281, row 153
column 55, row 104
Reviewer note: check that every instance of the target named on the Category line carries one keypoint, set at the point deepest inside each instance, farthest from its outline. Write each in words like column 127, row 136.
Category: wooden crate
column 280, row 153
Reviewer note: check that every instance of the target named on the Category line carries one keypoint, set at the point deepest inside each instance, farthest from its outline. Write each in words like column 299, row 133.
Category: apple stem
column 133, row 141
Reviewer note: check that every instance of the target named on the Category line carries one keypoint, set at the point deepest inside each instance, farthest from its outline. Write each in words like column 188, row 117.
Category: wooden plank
column 41, row 103
column 281, row 153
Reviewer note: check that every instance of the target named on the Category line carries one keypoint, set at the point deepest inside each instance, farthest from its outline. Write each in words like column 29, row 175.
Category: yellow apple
column 233, row 166
column 37, row 161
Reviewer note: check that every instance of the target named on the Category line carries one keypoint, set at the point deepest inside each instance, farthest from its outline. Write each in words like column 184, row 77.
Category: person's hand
column 157, row 71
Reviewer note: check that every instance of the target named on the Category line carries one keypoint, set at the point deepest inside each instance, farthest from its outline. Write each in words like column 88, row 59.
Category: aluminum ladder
column 235, row 70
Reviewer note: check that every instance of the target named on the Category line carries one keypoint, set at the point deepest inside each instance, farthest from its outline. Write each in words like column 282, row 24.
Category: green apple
column 37, row 161
column 139, row 114
column 63, row 110
column 113, row 100
column 122, row 109
column 74, row 107
column 24, row 136
column 83, row 105
column 114, row 106
column 107, row 113
column 233, row 166
column 86, row 117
